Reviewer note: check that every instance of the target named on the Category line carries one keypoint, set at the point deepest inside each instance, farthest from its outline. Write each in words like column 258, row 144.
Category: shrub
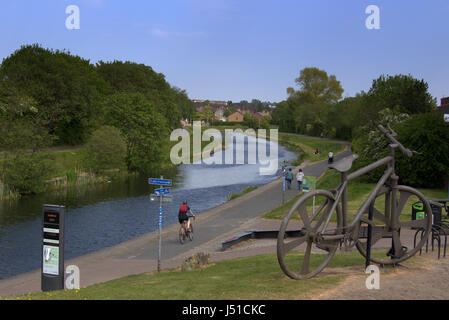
column 26, row 172
column 427, row 134
column 106, row 149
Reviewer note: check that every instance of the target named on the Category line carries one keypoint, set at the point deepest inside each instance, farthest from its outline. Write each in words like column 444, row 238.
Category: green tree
column 66, row 89
column 207, row 115
column 427, row 134
column 27, row 172
column 105, row 149
column 129, row 77
column 371, row 144
column 401, row 92
column 316, row 87
column 250, row 121
column 145, row 130
column 228, row 112
column 21, row 128
column 265, row 122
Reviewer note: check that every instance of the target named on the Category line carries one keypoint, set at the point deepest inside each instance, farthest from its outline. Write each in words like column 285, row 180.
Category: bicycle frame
column 313, row 230
column 342, row 194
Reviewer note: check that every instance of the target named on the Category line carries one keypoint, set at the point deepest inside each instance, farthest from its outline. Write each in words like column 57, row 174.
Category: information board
column 308, row 183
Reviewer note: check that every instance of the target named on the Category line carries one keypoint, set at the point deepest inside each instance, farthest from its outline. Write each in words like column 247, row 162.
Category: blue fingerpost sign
column 162, row 191
column 160, row 182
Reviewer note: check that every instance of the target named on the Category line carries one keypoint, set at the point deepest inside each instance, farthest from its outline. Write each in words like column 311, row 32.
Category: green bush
column 106, row 149
column 26, row 173
column 427, row 134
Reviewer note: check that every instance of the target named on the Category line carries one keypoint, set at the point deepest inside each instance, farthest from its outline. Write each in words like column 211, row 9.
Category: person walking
column 331, row 157
column 299, row 179
column 289, row 178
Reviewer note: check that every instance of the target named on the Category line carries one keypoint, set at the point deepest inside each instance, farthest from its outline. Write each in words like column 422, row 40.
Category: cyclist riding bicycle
column 184, row 215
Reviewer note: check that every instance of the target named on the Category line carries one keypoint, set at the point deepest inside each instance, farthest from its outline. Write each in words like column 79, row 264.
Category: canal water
column 103, row 215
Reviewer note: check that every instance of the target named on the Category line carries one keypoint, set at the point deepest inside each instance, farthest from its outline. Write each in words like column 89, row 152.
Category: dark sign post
column 52, row 266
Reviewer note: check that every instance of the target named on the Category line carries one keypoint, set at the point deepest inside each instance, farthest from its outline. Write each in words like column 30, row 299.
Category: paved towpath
column 140, row 254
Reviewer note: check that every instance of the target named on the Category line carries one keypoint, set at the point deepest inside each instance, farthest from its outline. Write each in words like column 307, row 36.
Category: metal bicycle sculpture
column 319, row 220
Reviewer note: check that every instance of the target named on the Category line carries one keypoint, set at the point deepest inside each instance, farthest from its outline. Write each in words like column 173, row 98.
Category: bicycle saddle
column 344, row 164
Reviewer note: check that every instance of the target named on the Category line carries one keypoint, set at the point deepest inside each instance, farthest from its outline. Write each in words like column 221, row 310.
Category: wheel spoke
column 306, row 261
column 294, row 243
column 304, row 216
column 317, row 212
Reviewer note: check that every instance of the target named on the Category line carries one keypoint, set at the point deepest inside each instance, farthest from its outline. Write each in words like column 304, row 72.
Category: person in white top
column 299, row 178
column 331, row 157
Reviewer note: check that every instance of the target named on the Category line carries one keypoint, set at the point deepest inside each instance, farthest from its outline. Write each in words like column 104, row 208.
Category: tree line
column 402, row 102
column 54, row 98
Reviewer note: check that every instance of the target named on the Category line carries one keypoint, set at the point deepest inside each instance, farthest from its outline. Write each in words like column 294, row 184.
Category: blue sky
column 244, row 49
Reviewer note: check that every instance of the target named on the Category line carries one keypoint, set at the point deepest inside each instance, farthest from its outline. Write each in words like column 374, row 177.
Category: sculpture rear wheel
column 305, row 227
column 396, row 244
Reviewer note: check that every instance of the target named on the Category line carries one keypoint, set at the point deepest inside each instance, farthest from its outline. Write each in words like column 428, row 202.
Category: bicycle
column 327, row 228
column 185, row 233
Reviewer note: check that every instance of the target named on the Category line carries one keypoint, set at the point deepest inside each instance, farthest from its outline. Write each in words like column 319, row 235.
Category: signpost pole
column 160, row 232
column 283, row 186
column 164, row 195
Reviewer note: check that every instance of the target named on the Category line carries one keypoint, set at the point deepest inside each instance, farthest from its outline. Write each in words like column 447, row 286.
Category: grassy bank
column 245, row 191
column 256, row 277
column 358, row 191
column 305, row 147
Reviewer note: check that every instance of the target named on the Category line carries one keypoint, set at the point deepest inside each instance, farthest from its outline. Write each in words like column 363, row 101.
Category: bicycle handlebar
column 404, row 150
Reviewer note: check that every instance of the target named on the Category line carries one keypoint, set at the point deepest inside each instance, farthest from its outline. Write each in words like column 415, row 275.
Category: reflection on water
column 103, row 215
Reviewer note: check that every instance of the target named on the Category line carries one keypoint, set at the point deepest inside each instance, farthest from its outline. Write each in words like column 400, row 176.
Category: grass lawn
column 65, row 161
column 256, row 277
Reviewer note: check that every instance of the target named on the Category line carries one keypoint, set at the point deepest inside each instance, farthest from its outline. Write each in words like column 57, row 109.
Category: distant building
column 258, row 115
column 444, row 107
column 236, row 117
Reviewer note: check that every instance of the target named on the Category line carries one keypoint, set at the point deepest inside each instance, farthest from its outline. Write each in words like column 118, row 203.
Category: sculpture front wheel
column 303, row 245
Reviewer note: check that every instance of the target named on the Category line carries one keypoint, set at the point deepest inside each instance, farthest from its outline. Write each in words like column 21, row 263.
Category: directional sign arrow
column 160, row 182
column 162, row 191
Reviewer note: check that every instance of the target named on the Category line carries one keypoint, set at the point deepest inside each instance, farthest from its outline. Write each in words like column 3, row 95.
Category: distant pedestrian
column 299, row 179
column 289, row 178
column 331, row 157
